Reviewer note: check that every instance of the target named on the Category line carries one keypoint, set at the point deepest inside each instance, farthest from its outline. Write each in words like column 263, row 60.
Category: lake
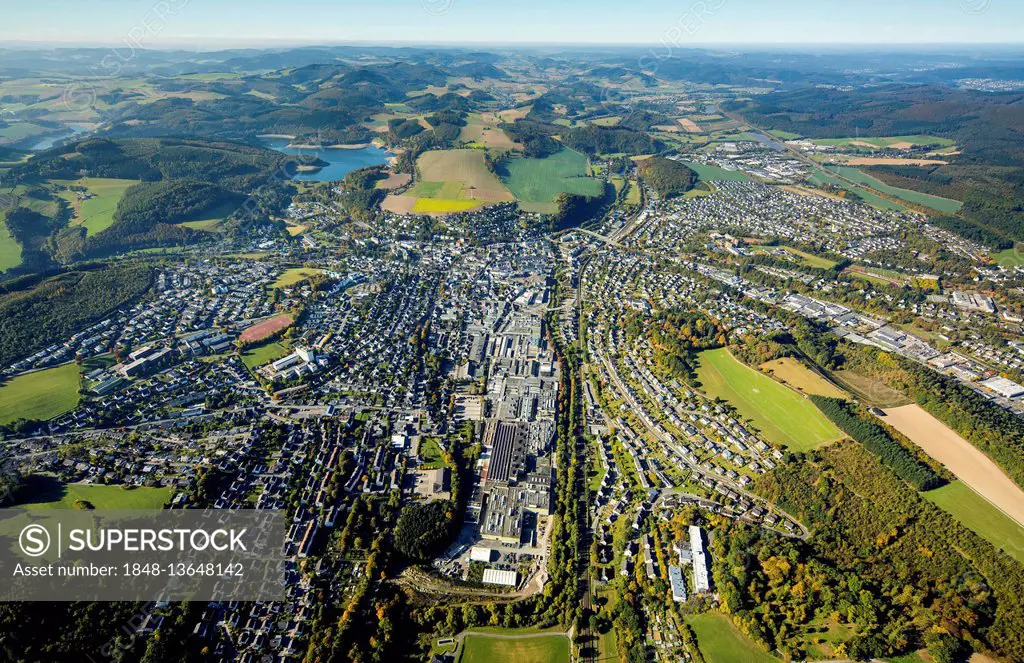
column 340, row 162
column 50, row 141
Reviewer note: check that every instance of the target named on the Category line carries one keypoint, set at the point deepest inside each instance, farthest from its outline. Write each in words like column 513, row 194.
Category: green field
column 538, row 649
column 980, row 516
column 295, row 275
column 822, row 177
column 48, row 493
column 1010, row 257
column 430, row 454
column 10, row 250
column 782, row 415
column 935, row 202
column 97, row 213
column 783, row 135
column 261, row 355
column 40, row 395
column 538, row 182
column 808, row 259
column 713, row 173
column 19, row 131
column 211, row 218
column 720, row 642
column 886, row 141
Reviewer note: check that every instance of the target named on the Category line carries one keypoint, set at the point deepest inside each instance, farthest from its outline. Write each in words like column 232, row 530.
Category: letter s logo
column 34, row 540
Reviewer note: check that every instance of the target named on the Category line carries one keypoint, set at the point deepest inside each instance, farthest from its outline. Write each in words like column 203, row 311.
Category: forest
column 668, row 177
column 900, row 571
column 876, row 440
column 57, row 307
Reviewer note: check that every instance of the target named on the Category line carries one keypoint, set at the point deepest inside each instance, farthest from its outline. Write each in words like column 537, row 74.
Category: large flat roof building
column 701, row 574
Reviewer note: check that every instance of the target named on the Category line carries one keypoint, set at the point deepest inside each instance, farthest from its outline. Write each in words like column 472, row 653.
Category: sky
column 232, row 23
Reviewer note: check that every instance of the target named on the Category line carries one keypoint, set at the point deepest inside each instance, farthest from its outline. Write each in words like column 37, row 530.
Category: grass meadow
column 39, row 395
column 782, row 415
column 980, row 516
column 538, row 649
column 537, row 182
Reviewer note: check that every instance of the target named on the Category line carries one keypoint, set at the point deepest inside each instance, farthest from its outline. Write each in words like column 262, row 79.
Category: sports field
column 962, row 458
column 796, row 375
column 916, row 197
column 782, row 415
column 979, row 515
column 528, row 649
column 295, row 275
column 10, row 250
column 265, row 329
column 721, row 642
column 263, row 354
column 40, row 395
column 96, row 214
column 713, row 173
column 48, row 493
column 537, row 182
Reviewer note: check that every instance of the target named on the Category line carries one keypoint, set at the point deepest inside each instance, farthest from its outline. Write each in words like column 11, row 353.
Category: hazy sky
column 204, row 23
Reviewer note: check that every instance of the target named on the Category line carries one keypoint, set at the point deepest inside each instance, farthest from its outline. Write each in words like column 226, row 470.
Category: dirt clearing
column 965, row 461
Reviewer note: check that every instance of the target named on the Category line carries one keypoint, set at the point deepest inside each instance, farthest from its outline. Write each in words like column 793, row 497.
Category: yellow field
column 793, row 373
column 442, row 206
column 961, row 457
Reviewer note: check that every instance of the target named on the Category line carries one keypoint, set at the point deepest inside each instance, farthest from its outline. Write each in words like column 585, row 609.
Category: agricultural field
column 262, row 355
column 537, row 182
column 782, row 415
column 783, row 135
column 795, row 374
column 294, row 276
column 822, row 177
column 979, row 515
column 482, row 131
column 19, row 131
column 40, row 395
column 10, row 250
column 96, row 213
column 721, row 642
column 869, row 390
column 42, row 492
column 466, row 167
column 449, row 181
column 935, row 202
column 887, row 142
column 964, row 460
column 713, row 173
column 443, row 206
column 539, row 648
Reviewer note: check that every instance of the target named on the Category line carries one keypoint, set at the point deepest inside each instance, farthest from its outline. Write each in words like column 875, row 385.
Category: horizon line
column 254, row 43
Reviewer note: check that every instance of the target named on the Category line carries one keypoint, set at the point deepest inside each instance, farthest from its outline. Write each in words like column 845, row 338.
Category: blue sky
column 204, row 23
